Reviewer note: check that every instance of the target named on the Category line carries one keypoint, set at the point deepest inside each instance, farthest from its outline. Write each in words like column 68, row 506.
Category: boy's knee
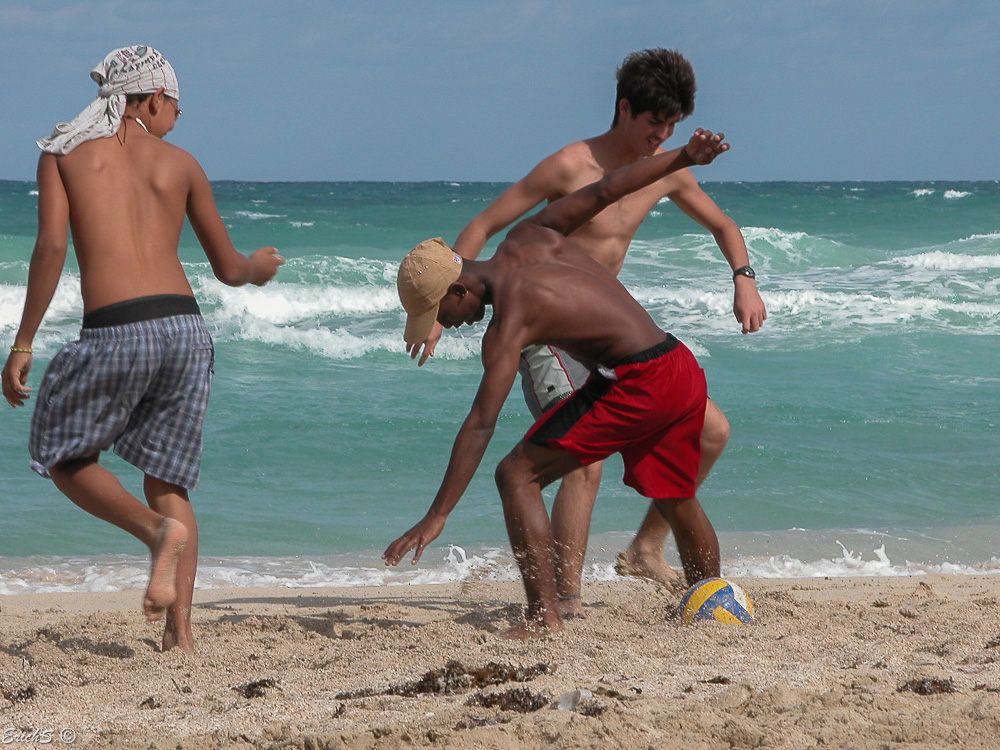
column 505, row 473
column 715, row 433
column 589, row 475
column 678, row 510
column 66, row 469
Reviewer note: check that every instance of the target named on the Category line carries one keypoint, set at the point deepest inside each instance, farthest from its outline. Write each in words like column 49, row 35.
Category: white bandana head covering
column 130, row 70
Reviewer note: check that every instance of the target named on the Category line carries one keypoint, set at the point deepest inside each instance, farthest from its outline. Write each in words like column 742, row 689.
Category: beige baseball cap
column 424, row 277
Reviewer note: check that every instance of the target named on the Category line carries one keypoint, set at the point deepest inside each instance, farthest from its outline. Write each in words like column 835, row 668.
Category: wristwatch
column 744, row 271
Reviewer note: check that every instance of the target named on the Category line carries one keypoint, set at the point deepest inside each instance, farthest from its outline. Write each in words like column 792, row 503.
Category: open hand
column 430, row 344
column 705, row 145
column 426, row 531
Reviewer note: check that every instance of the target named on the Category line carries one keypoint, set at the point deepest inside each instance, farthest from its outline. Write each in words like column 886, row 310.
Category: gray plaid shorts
column 142, row 387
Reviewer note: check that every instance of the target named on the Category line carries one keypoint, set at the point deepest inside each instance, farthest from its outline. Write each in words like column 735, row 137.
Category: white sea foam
column 44, row 575
column 837, row 310
column 11, row 305
column 300, row 224
column 283, row 303
column 941, row 261
column 920, row 192
column 465, row 345
column 773, row 248
column 57, row 575
column 850, row 563
column 61, row 321
column 47, row 575
column 774, row 236
column 332, row 344
column 819, row 315
column 687, row 298
column 768, row 245
column 256, row 215
column 954, row 194
column 693, row 313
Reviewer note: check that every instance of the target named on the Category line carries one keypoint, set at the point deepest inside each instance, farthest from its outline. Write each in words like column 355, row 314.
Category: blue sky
column 482, row 90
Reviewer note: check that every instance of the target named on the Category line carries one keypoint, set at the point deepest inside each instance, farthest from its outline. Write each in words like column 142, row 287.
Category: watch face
column 746, row 271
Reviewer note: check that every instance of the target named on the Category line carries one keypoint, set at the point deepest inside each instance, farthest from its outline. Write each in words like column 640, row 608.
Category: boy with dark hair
column 139, row 377
column 645, row 397
column 656, row 80
column 656, row 89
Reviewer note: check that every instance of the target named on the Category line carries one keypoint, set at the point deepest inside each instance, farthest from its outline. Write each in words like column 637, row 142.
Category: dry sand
column 842, row 663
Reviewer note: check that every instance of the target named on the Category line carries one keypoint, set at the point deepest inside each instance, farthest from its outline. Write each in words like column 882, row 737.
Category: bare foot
column 532, row 630
column 176, row 638
column 161, row 592
column 651, row 567
column 571, row 606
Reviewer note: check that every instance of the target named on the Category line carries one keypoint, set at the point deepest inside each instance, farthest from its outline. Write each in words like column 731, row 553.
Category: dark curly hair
column 656, row 80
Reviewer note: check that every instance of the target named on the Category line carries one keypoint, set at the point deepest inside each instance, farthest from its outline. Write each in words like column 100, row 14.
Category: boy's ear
column 458, row 289
column 156, row 100
column 624, row 109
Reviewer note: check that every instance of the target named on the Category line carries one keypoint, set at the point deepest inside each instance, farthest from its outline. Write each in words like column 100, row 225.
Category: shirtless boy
column 655, row 91
column 139, row 376
column 645, row 397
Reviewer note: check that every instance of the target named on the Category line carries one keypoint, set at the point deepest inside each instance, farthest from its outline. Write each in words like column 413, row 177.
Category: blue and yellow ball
column 716, row 599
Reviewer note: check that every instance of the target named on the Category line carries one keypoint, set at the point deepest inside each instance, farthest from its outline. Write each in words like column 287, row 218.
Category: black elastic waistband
column 141, row 308
column 648, row 355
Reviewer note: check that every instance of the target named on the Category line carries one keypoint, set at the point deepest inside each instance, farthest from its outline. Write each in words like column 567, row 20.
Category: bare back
column 551, row 292
column 127, row 198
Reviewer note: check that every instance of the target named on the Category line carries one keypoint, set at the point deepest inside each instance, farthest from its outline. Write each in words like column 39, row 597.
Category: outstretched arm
column 540, row 184
column 229, row 265
column 688, row 196
column 500, row 360
column 572, row 211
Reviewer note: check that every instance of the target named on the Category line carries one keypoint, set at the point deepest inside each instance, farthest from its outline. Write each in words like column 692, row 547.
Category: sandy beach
column 843, row 663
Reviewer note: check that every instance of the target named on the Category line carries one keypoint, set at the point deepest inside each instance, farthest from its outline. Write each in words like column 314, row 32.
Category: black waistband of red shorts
column 140, row 309
column 648, row 355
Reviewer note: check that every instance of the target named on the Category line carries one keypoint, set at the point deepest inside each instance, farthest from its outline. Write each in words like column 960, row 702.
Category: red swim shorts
column 650, row 408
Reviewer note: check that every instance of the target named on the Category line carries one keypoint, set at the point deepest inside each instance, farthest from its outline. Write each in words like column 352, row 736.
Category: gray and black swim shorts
column 549, row 375
column 138, row 379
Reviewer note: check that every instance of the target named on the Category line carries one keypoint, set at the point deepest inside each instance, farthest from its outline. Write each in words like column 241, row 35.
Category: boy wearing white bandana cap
column 125, row 72
column 138, row 378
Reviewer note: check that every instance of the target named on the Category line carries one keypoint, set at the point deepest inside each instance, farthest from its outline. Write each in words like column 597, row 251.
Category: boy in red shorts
column 645, row 398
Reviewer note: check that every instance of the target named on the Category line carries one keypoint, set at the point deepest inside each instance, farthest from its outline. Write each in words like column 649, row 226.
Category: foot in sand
column 571, row 606
column 162, row 591
column 177, row 637
column 652, row 567
column 531, row 630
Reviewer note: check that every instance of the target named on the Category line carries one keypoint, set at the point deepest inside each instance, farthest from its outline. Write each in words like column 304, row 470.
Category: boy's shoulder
column 564, row 169
column 168, row 150
column 577, row 156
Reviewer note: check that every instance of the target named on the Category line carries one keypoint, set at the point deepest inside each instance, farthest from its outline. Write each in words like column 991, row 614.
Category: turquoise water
column 864, row 415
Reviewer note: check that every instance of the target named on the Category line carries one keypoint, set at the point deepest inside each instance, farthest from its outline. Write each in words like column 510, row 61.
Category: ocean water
column 865, row 414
